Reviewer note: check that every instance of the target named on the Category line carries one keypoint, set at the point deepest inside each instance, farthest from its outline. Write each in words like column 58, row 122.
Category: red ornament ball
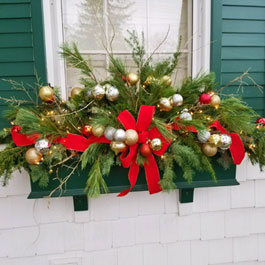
column 87, row 129
column 261, row 120
column 205, row 98
column 145, row 150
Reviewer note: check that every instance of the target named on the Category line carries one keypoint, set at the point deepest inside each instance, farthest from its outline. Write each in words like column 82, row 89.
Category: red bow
column 23, row 139
column 237, row 149
column 144, row 120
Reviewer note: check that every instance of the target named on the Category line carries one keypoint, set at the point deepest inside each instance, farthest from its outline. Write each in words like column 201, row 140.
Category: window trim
column 53, row 25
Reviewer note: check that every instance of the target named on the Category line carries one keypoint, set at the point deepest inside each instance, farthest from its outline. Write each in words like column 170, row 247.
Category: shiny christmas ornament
column 120, row 135
column 89, row 93
column 131, row 137
column 165, row 104
column 203, row 136
column 124, row 79
column 226, row 141
column 177, row 100
column 132, row 79
column 42, row 146
column 76, row 91
column 145, row 150
column 205, row 99
column 261, row 121
column 33, row 157
column 112, row 93
column 215, row 101
column 156, row 144
column 166, row 79
column 109, row 133
column 98, row 92
column 117, row 147
column 46, row 93
column 215, row 139
column 86, row 130
column 185, row 115
column 209, row 150
column 150, row 79
column 98, row 130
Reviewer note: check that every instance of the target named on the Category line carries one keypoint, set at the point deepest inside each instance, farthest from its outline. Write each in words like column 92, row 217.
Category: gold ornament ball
column 215, row 139
column 156, row 144
column 46, row 93
column 165, row 104
column 209, row 150
column 215, row 101
column 117, row 147
column 132, row 78
column 150, row 79
column 33, row 157
column 76, row 91
column 131, row 137
column 166, row 79
column 98, row 130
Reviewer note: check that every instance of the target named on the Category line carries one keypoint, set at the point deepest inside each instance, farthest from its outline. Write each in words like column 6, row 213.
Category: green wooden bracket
column 186, row 195
column 80, row 203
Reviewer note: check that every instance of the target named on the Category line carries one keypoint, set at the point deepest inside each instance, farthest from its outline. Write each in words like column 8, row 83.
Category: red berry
column 205, row 98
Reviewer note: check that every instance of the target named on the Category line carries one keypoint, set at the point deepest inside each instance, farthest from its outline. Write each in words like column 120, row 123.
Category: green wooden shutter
column 238, row 44
column 21, row 47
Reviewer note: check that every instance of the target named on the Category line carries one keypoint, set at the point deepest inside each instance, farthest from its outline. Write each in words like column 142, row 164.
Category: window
column 90, row 24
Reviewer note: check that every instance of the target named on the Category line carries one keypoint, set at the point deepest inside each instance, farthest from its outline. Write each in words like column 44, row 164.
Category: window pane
column 92, row 25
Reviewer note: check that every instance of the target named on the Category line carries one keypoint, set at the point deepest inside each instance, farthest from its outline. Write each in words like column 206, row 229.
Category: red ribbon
column 183, row 127
column 23, row 139
column 128, row 160
column 237, row 149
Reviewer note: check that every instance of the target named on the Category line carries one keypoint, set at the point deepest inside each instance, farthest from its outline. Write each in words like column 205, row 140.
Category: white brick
column 65, row 261
column 19, row 184
column 212, row 225
column 243, row 195
column 50, row 239
column 73, row 236
column 253, row 172
column 201, row 203
column 151, row 204
column 219, row 198
column 237, row 222
column 259, row 193
column 25, row 260
column 179, row 253
column 50, row 210
column 106, row 207
column 155, row 254
column 168, row 228
column 245, row 248
column 147, row 229
column 241, row 170
column 82, row 216
column 98, row 235
column 220, row 251
column 258, row 220
column 6, row 213
column 123, row 232
column 199, row 253
column 128, row 205
column 261, row 247
column 189, row 227
column 171, row 201
column 130, row 256
column 185, row 208
column 21, row 242
column 109, row 257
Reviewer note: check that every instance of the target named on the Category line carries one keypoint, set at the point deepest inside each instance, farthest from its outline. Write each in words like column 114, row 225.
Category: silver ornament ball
column 42, row 145
column 98, row 92
column 120, row 135
column 177, row 100
column 112, row 93
column 226, row 141
column 185, row 115
column 109, row 133
column 203, row 136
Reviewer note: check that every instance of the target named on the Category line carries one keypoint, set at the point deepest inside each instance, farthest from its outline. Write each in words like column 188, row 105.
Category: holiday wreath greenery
column 132, row 120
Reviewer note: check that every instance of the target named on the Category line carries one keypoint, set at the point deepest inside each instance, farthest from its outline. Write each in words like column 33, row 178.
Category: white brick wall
column 224, row 225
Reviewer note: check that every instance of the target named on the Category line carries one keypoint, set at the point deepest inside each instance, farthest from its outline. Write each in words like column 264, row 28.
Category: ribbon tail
column 152, row 175
column 237, row 149
column 133, row 174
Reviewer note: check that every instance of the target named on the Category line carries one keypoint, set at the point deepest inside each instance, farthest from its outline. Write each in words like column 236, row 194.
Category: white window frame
column 53, row 28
